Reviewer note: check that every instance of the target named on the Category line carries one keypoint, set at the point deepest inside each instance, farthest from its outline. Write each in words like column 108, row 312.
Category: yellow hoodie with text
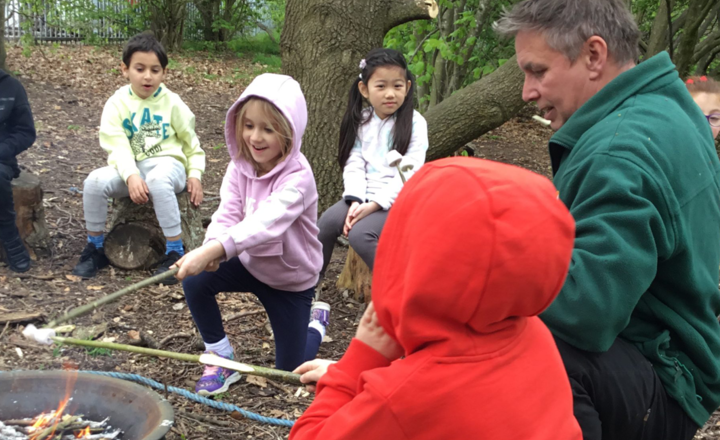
column 133, row 129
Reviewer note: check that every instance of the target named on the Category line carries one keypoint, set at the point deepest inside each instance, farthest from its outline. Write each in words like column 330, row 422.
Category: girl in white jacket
column 366, row 136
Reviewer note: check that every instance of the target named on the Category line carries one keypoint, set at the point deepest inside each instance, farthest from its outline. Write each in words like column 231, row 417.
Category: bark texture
column 30, row 215
column 136, row 241
column 356, row 276
column 475, row 110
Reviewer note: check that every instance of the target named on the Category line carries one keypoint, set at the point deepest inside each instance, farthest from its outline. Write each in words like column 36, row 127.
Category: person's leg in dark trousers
column 8, row 230
column 617, row 395
column 312, row 344
column 331, row 224
column 365, row 234
column 200, row 291
column 289, row 312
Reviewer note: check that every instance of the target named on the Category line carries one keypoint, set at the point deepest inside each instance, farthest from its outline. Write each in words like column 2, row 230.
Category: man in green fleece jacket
column 634, row 161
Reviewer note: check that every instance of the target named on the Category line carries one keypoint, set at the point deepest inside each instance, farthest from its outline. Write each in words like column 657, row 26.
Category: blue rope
column 197, row 398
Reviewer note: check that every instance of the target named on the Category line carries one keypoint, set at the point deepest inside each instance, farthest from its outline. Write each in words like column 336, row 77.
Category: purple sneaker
column 216, row 380
column 320, row 311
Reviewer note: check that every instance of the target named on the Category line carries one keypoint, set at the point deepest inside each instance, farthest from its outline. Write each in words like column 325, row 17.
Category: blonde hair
column 273, row 119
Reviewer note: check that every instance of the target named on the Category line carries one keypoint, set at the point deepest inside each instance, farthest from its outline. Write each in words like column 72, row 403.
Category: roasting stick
column 89, row 307
column 206, row 359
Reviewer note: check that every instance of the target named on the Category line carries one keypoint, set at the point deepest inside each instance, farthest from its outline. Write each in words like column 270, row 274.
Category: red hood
column 470, row 249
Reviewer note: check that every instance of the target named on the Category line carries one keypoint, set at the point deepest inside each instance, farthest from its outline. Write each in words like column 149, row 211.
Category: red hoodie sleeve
column 340, row 410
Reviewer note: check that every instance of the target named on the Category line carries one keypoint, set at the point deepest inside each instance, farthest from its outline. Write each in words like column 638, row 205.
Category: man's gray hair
column 567, row 24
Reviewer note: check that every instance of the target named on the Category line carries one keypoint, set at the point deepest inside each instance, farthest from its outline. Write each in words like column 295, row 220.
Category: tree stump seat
column 356, row 276
column 30, row 215
column 136, row 241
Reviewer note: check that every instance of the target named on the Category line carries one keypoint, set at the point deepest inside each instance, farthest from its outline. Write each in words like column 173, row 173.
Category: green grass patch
column 259, row 43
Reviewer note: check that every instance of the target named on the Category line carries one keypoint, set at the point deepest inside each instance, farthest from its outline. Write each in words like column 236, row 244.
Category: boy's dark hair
column 353, row 118
column 144, row 42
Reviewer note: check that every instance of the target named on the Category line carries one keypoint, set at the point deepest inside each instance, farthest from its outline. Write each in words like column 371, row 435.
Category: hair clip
column 689, row 82
column 362, row 63
column 703, row 78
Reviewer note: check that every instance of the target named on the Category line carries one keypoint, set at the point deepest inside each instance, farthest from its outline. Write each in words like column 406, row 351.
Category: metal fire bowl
column 141, row 413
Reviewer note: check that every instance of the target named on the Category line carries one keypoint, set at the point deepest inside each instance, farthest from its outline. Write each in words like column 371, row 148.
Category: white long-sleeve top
column 367, row 176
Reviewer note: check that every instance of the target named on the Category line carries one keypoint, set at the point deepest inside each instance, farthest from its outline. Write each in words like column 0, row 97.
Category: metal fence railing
column 82, row 20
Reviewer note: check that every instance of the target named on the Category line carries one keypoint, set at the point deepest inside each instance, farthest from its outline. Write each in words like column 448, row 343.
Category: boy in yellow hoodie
column 153, row 153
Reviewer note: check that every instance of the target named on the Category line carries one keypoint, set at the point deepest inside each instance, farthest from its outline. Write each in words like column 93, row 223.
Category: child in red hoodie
column 471, row 253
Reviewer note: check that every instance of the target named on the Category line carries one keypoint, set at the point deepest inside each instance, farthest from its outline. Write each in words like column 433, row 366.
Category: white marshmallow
column 40, row 335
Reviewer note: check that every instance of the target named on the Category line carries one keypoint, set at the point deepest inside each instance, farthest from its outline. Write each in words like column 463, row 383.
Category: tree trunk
column 321, row 44
column 135, row 240
column 658, row 40
column 696, row 13
column 475, row 110
column 3, row 55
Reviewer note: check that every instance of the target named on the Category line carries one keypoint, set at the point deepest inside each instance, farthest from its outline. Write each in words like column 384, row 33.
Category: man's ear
column 595, row 56
column 363, row 89
column 124, row 69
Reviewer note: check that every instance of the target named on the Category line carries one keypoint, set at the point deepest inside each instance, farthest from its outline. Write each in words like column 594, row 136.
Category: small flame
column 84, row 433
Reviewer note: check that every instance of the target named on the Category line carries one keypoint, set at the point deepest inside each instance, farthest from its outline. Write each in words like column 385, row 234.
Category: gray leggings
column 164, row 176
column 363, row 236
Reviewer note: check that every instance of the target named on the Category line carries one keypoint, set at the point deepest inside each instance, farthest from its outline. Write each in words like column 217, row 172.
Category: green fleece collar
column 655, row 73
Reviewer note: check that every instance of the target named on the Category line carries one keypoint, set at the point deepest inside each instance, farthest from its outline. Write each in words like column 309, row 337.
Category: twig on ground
column 167, row 339
column 25, row 276
column 202, row 418
column 241, row 314
column 7, row 324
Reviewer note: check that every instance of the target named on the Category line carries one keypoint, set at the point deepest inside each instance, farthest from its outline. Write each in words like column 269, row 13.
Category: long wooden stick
column 206, row 359
column 87, row 308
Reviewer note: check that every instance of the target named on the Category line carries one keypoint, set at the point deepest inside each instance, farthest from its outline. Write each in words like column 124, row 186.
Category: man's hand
column 363, row 211
column 194, row 187
column 138, row 189
column 372, row 334
column 312, row 371
column 205, row 258
column 348, row 218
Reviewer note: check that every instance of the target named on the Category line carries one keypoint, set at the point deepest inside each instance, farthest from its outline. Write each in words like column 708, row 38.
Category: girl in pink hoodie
column 263, row 237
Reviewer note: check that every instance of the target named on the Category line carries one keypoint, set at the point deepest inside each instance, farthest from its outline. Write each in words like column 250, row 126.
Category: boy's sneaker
column 164, row 266
column 91, row 261
column 17, row 255
column 320, row 311
column 216, row 380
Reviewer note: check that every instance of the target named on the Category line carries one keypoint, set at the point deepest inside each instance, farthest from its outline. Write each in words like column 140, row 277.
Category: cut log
column 135, row 240
column 356, row 276
column 30, row 218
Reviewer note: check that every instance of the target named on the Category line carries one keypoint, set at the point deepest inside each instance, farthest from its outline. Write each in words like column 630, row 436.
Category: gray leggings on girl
column 363, row 236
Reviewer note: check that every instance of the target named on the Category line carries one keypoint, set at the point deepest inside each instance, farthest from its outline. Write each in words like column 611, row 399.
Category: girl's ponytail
column 350, row 123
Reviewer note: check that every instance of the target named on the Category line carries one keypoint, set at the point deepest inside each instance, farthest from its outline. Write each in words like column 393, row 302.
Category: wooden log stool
column 30, row 215
column 356, row 276
column 136, row 241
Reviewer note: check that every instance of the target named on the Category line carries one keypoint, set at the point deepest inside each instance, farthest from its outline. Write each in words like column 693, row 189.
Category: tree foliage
column 456, row 49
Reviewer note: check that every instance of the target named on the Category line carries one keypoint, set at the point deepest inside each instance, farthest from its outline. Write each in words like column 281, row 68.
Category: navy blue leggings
column 289, row 312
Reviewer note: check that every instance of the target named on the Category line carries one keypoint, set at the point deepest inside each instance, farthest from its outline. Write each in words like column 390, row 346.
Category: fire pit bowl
column 141, row 413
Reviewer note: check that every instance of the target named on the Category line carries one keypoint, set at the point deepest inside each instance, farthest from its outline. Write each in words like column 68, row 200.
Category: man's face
column 557, row 85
